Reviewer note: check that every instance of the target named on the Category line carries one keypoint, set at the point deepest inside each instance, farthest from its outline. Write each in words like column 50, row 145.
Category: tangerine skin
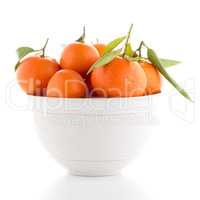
column 34, row 73
column 119, row 78
column 91, row 92
column 100, row 48
column 79, row 57
column 67, row 84
column 154, row 81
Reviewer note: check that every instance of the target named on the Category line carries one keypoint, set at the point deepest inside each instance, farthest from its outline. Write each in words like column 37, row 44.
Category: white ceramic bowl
column 94, row 136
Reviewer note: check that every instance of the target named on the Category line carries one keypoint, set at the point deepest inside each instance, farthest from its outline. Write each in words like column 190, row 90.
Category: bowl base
column 93, row 174
column 95, row 168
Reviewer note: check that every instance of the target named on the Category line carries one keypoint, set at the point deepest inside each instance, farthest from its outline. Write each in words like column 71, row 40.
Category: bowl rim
column 94, row 106
column 95, row 99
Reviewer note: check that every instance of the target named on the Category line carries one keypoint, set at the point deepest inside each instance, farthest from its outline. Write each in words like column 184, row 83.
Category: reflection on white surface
column 102, row 188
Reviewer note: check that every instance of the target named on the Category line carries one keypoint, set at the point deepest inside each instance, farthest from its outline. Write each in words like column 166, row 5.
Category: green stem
column 82, row 37
column 44, row 47
column 127, row 40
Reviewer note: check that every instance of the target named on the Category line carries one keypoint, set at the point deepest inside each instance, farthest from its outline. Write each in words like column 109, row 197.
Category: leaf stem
column 127, row 40
column 142, row 44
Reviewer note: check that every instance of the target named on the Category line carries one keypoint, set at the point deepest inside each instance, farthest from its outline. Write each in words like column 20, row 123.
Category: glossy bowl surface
column 94, row 136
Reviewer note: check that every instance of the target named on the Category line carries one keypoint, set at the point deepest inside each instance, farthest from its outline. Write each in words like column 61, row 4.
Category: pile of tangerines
column 89, row 70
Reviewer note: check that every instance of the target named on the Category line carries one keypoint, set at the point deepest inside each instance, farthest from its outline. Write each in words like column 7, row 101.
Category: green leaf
column 105, row 59
column 23, row 51
column 113, row 44
column 168, row 62
column 135, row 59
column 156, row 61
column 129, row 50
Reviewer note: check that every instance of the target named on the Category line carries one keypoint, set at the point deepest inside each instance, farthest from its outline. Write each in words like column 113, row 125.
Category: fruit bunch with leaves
column 94, row 70
column 136, row 56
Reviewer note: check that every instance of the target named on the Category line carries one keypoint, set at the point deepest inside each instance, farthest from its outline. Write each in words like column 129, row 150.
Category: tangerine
column 119, row 78
column 68, row 84
column 153, row 78
column 79, row 57
column 34, row 73
column 100, row 48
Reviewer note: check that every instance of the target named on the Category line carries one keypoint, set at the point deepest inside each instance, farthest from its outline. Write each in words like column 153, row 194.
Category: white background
column 169, row 165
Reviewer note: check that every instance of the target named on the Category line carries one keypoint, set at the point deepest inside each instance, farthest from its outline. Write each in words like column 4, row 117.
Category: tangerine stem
column 82, row 37
column 44, row 47
column 127, row 40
